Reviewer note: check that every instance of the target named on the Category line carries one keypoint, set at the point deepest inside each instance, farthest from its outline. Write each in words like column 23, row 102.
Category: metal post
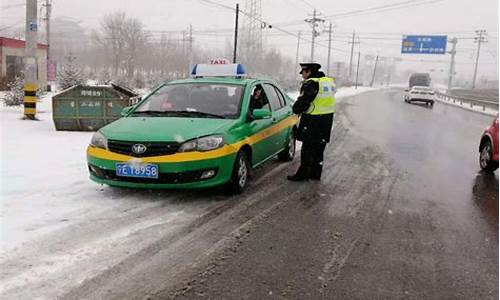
column 357, row 70
column 236, row 32
column 452, row 63
column 48, row 8
column 374, row 71
column 313, row 36
column 30, row 73
column 329, row 49
column 352, row 52
column 298, row 47
column 190, row 47
column 479, row 40
column 315, row 33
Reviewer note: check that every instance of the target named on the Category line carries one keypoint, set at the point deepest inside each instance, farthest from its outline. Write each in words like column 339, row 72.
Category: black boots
column 296, row 178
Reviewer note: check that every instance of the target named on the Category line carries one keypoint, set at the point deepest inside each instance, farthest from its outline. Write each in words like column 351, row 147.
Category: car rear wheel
column 486, row 158
column 288, row 153
column 240, row 175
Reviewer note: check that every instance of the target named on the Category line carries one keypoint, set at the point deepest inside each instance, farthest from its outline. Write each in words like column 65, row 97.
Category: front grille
column 179, row 177
column 153, row 148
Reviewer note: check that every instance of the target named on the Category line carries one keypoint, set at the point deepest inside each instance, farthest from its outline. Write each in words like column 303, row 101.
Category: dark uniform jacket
column 312, row 128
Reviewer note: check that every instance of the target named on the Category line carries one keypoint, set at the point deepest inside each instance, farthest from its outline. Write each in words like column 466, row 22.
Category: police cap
column 309, row 66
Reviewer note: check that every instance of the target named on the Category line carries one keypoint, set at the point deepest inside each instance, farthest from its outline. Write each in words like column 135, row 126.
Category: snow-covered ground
column 43, row 172
column 343, row 92
column 44, row 180
column 55, row 222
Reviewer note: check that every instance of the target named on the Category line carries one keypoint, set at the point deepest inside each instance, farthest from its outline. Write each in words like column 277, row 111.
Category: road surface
column 402, row 211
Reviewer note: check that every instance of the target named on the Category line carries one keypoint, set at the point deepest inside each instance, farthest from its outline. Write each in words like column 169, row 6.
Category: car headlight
column 99, row 141
column 203, row 144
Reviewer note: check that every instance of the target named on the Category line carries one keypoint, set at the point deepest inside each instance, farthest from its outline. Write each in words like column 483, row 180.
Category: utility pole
column 357, row 70
column 298, row 47
column 330, row 31
column 184, row 42
column 374, row 71
column 314, row 22
column 190, row 46
column 478, row 39
column 352, row 53
column 453, row 51
column 236, row 32
column 30, row 78
column 48, row 8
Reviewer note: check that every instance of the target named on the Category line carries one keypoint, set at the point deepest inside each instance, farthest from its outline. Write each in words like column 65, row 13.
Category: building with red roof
column 12, row 57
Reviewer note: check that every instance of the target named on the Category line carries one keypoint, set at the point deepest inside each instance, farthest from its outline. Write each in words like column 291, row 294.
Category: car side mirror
column 126, row 110
column 407, row 90
column 259, row 114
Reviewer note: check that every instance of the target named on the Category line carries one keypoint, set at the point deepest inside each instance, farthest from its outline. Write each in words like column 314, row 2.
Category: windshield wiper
column 197, row 113
column 154, row 112
column 146, row 112
column 177, row 113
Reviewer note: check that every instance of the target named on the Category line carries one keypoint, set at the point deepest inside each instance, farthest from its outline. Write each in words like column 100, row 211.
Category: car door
column 280, row 111
column 259, row 131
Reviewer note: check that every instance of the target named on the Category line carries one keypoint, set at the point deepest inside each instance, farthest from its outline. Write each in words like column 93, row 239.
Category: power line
column 308, row 4
column 372, row 10
column 271, row 26
column 219, row 4
column 383, row 8
column 12, row 5
column 12, row 25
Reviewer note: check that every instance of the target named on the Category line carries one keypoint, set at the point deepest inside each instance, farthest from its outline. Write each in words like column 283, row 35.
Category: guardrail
column 470, row 101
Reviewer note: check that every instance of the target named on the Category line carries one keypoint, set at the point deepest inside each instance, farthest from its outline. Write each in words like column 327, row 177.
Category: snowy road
column 59, row 229
column 64, row 236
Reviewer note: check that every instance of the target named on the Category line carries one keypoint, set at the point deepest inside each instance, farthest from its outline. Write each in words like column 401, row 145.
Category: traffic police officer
column 316, row 105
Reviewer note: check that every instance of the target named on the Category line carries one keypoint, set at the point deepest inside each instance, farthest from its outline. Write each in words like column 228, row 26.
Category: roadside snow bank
column 343, row 92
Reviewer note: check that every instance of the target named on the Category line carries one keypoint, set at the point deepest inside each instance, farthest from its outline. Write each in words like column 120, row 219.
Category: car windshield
column 200, row 100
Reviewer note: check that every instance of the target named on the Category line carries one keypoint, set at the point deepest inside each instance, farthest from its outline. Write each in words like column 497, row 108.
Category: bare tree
column 122, row 38
column 135, row 42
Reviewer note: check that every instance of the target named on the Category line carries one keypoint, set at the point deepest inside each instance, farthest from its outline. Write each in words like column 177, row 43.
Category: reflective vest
column 324, row 103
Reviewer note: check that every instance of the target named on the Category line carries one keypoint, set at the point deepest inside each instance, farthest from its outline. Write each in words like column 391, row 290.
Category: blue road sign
column 424, row 44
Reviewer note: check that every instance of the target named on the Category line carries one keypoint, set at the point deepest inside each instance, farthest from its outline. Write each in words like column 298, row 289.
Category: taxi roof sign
column 218, row 70
column 219, row 61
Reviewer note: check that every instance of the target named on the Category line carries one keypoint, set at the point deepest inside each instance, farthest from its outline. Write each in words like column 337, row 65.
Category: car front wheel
column 288, row 153
column 240, row 175
column 486, row 158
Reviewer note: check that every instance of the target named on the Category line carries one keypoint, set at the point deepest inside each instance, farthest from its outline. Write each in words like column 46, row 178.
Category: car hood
column 143, row 129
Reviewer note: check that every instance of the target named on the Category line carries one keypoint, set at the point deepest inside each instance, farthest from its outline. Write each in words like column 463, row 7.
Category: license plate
column 137, row 170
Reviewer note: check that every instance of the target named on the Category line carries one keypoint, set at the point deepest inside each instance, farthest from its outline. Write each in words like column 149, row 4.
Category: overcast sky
column 379, row 31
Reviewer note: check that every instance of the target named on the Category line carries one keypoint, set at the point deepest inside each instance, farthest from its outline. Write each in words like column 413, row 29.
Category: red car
column 488, row 148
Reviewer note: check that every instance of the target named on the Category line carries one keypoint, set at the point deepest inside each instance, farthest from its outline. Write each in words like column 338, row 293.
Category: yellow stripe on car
column 196, row 155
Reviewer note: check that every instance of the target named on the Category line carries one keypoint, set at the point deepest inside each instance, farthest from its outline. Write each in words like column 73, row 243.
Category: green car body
column 260, row 138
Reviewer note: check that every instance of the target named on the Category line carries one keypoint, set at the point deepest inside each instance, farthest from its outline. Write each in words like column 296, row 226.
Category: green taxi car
column 195, row 133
